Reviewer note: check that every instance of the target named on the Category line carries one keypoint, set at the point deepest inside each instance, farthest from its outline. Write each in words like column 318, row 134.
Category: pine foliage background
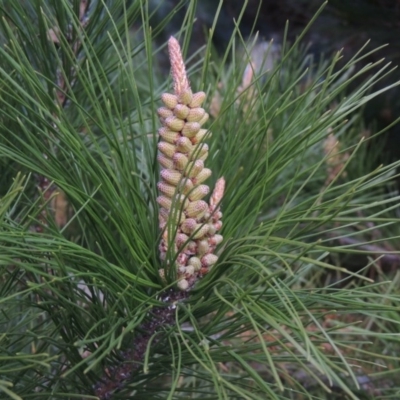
column 300, row 305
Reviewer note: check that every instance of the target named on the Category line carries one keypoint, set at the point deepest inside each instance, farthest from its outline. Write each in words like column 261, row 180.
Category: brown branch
column 117, row 377
column 44, row 185
column 386, row 256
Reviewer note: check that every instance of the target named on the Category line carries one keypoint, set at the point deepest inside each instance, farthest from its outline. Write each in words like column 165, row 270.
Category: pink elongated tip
column 218, row 192
column 178, row 70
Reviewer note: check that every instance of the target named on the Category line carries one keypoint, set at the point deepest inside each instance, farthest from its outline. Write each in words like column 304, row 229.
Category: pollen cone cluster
column 189, row 224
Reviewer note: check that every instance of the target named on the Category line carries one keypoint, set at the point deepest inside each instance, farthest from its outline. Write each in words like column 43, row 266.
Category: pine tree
column 107, row 291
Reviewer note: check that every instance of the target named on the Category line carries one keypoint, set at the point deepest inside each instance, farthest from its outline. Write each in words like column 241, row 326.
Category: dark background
column 343, row 24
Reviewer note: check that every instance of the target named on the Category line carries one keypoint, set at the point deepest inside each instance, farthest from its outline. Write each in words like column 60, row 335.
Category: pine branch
column 69, row 298
column 195, row 243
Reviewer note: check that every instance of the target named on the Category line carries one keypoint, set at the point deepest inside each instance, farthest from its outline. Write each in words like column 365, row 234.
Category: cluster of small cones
column 189, row 224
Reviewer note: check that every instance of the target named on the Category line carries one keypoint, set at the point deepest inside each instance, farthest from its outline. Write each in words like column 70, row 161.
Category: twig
column 45, row 186
column 391, row 259
column 115, row 378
